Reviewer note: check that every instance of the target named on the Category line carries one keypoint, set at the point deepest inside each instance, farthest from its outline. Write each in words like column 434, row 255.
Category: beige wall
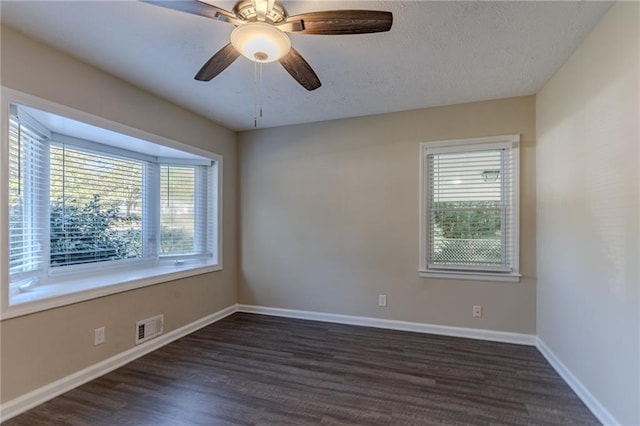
column 329, row 218
column 588, row 137
column 40, row 348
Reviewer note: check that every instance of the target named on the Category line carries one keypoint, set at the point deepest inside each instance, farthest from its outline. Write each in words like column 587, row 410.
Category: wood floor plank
column 257, row 370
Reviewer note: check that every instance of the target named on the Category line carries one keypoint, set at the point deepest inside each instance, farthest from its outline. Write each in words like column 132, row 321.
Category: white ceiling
column 437, row 53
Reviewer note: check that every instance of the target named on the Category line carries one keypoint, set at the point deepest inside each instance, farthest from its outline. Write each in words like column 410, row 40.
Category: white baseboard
column 592, row 403
column 38, row 396
column 583, row 393
column 471, row 333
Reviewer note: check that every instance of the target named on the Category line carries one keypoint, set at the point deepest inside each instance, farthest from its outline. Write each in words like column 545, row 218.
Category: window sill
column 78, row 289
column 476, row 276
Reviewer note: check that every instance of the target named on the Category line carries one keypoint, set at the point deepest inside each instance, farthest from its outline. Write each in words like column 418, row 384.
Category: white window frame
column 468, row 145
column 64, row 289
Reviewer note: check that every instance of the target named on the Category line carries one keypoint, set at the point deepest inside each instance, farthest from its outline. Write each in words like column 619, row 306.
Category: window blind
column 177, row 210
column 206, row 211
column 469, row 210
column 27, row 199
column 96, row 206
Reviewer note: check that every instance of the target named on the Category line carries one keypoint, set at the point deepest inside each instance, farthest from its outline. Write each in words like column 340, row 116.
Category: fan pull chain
column 261, row 87
column 257, row 92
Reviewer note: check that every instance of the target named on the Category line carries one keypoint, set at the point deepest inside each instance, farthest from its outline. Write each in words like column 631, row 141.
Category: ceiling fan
column 261, row 33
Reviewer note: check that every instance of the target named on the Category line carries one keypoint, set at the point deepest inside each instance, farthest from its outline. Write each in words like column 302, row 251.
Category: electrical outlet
column 477, row 311
column 382, row 300
column 98, row 336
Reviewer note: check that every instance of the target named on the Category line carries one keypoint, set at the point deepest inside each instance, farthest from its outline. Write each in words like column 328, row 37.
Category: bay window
column 105, row 214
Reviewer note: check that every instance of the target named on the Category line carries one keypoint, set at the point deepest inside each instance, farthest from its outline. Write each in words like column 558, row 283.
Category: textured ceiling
column 437, row 53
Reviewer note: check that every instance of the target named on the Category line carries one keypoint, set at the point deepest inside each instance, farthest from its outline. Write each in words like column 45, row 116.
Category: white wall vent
column 149, row 328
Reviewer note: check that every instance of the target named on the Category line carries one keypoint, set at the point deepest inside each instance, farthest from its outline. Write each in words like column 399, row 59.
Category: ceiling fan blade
column 291, row 27
column 334, row 22
column 300, row 70
column 218, row 63
column 221, row 14
column 200, row 8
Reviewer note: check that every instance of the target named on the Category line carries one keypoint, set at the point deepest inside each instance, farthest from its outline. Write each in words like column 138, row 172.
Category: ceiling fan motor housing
column 246, row 10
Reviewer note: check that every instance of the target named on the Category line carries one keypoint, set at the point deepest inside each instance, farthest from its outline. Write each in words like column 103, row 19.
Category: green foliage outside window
column 467, row 232
column 174, row 240
column 92, row 233
column 16, row 240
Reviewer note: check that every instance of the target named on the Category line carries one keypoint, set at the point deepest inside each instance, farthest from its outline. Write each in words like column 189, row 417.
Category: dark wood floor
column 258, row 370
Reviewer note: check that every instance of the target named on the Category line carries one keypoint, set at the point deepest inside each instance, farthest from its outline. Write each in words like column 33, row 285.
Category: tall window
column 185, row 197
column 177, row 209
column 469, row 224
column 95, row 206
column 81, row 208
column 27, row 187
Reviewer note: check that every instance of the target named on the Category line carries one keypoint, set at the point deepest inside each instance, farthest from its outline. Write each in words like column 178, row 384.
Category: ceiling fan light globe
column 260, row 42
